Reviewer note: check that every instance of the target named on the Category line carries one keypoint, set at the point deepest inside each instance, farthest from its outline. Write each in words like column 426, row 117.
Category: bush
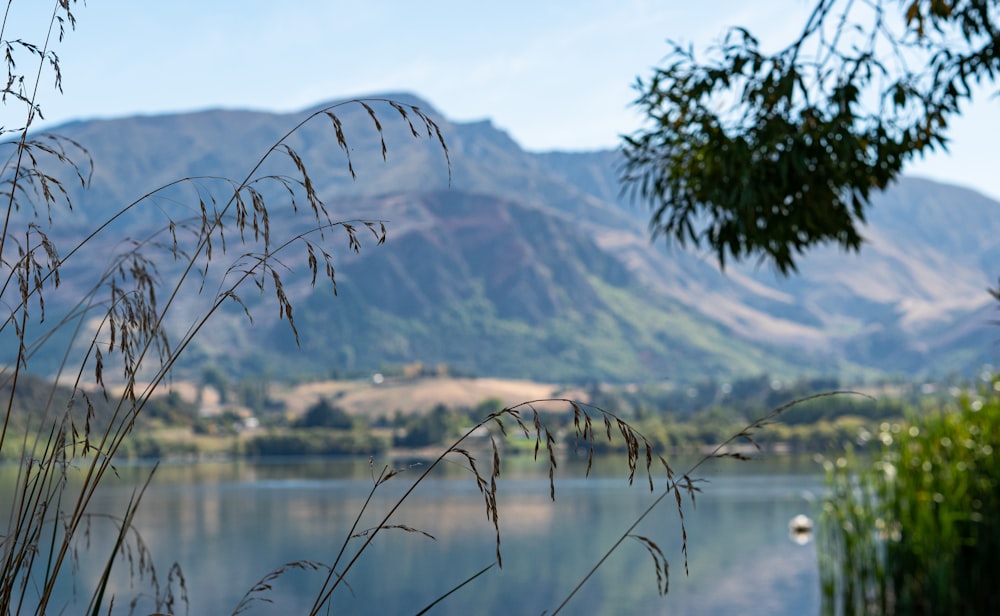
column 144, row 447
column 431, row 428
column 323, row 414
column 314, row 442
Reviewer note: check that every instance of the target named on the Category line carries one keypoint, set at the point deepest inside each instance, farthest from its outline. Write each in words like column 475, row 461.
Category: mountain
column 521, row 264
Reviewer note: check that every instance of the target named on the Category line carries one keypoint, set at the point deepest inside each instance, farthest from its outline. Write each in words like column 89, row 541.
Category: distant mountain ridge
column 533, row 265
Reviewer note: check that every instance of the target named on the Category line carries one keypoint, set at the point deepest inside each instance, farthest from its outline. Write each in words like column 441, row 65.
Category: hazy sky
column 555, row 75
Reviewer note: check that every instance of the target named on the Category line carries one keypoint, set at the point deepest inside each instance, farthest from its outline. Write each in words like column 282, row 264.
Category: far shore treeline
column 247, row 420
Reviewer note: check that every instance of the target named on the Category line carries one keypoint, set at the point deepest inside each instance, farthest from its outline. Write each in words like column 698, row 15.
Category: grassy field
column 405, row 395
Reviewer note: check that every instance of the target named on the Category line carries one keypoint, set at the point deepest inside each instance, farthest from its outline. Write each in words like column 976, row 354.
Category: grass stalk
column 132, row 334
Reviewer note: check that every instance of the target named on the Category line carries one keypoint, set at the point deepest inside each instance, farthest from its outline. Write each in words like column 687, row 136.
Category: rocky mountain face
column 521, row 264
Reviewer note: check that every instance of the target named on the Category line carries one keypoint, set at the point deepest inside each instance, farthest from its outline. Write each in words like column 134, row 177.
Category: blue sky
column 555, row 75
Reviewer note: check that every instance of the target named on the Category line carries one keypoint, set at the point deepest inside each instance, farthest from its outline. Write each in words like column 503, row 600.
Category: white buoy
column 800, row 529
column 800, row 524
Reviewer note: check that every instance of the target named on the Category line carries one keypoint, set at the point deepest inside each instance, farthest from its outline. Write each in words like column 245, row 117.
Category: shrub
column 323, row 414
column 313, row 442
column 431, row 428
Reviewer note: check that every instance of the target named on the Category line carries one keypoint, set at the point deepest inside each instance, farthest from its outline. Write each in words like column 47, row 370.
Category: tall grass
column 131, row 318
column 592, row 427
column 915, row 531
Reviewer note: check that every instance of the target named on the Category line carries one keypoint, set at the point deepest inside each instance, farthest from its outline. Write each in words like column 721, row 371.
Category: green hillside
column 517, row 264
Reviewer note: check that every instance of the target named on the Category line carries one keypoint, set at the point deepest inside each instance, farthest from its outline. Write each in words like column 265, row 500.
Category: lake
column 228, row 524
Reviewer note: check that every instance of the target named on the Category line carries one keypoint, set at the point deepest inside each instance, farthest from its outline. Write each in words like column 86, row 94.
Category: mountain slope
column 918, row 284
column 488, row 286
column 533, row 265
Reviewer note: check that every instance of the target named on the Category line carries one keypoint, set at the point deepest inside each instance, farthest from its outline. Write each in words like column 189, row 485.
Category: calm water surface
column 229, row 524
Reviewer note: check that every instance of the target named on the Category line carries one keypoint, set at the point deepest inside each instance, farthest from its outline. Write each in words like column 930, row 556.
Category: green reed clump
column 915, row 531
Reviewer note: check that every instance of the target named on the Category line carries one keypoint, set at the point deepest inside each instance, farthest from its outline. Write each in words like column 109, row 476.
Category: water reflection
column 229, row 524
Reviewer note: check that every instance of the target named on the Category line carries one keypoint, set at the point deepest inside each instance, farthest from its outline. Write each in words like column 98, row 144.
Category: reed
column 914, row 530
